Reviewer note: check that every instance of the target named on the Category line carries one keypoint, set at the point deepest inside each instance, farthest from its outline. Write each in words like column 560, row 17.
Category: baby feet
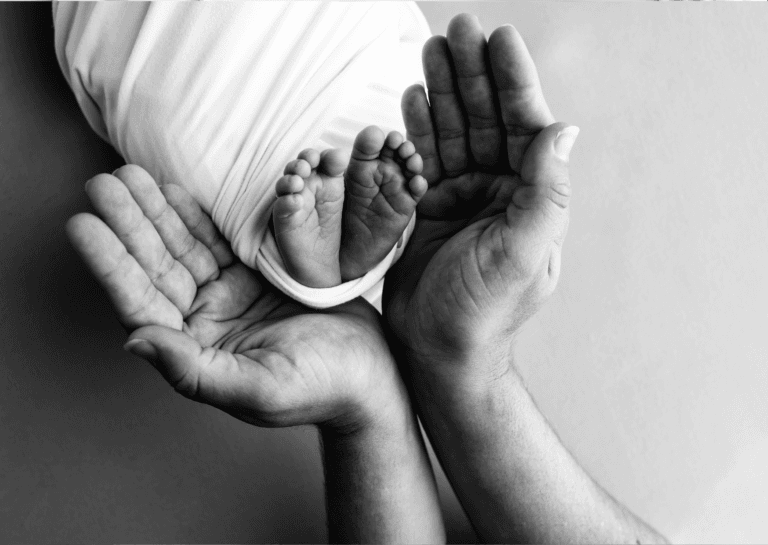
column 383, row 185
column 307, row 217
column 373, row 203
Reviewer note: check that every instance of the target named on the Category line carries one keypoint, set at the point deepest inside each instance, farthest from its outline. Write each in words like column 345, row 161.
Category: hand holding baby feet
column 307, row 217
column 383, row 185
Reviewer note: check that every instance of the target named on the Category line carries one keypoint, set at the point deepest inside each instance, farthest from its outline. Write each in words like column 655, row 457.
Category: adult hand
column 214, row 330
column 222, row 336
column 484, row 256
column 485, row 253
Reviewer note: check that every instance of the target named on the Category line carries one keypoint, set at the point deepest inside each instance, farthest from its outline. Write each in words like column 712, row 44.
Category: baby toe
column 290, row 183
column 406, row 149
column 287, row 206
column 414, row 164
column 418, row 187
column 299, row 167
column 394, row 140
column 311, row 156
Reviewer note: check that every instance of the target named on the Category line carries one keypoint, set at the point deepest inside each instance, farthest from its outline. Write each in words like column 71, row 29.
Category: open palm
column 216, row 331
column 485, row 251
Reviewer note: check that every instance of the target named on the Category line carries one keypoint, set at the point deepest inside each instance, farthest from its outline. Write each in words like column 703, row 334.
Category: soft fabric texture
column 218, row 97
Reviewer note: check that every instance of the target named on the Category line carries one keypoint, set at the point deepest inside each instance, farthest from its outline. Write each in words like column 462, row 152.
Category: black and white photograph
column 384, row 272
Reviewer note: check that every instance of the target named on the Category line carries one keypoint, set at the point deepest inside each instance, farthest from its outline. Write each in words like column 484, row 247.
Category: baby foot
column 383, row 185
column 307, row 217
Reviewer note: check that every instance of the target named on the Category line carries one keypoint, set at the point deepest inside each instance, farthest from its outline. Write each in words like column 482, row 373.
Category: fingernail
column 87, row 184
column 142, row 349
column 565, row 140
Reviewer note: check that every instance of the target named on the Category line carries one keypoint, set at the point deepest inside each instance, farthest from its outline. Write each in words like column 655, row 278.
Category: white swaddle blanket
column 218, row 97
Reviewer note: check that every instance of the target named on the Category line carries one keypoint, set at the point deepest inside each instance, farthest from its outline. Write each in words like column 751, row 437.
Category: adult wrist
column 378, row 410
column 468, row 367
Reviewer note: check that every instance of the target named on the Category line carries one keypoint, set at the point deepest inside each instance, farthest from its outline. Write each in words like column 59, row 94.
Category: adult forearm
column 515, row 479
column 379, row 484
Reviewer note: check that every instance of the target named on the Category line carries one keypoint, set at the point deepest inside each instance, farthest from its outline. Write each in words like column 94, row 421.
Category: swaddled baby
column 220, row 97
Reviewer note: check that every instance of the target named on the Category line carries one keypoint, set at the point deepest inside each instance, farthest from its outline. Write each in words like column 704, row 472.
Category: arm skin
column 483, row 258
column 514, row 478
column 220, row 335
column 380, row 486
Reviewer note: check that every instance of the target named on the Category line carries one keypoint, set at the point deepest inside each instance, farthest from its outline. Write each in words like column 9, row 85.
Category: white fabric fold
column 218, row 97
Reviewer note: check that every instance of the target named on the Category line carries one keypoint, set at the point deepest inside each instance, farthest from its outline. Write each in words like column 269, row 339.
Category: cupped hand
column 212, row 327
column 485, row 252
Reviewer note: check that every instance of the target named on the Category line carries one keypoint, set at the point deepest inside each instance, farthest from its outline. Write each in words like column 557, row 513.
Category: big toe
column 333, row 162
column 368, row 143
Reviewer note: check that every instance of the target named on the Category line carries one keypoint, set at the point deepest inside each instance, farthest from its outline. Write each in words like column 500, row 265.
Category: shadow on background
column 93, row 444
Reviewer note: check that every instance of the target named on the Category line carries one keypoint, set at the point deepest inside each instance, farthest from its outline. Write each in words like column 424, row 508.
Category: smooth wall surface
column 650, row 360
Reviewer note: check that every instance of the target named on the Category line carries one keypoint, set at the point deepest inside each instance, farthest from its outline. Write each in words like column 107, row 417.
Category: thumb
column 546, row 186
column 538, row 213
column 194, row 371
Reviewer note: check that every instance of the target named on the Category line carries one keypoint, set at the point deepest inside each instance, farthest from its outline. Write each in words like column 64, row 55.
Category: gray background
column 650, row 360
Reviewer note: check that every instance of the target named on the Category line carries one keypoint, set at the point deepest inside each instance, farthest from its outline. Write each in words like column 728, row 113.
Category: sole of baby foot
column 307, row 216
column 383, row 185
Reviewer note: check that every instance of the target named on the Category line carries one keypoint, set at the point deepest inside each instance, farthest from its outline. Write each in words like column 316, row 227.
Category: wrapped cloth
column 218, row 97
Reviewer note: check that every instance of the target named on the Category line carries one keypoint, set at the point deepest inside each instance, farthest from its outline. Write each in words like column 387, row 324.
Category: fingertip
column 464, row 29
column 462, row 20
column 99, row 181
column 414, row 90
column 545, row 165
column 77, row 227
column 435, row 44
column 129, row 170
column 564, row 141
column 414, row 101
column 141, row 348
column 504, row 33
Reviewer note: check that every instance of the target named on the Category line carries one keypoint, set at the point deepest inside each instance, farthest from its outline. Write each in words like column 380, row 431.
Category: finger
column 230, row 382
column 199, row 223
column 469, row 51
column 194, row 371
column 541, row 201
column 119, row 210
column 135, row 298
column 183, row 247
column 420, row 131
column 521, row 101
column 445, row 106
